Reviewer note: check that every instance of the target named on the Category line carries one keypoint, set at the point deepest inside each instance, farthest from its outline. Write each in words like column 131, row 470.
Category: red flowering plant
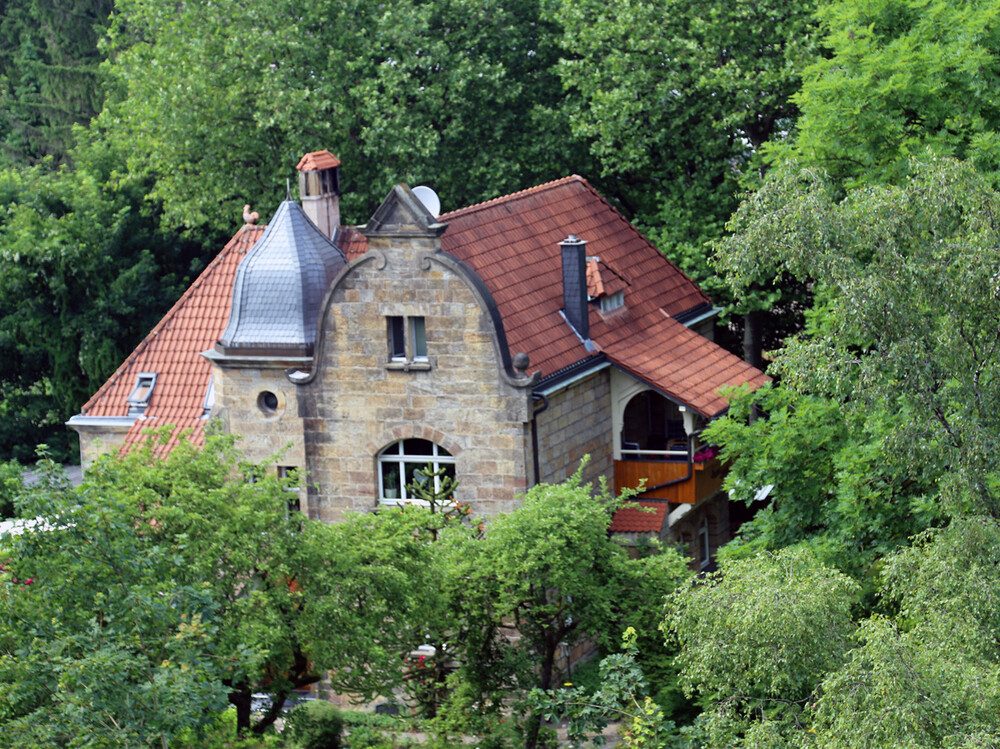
column 705, row 454
column 425, row 682
column 7, row 573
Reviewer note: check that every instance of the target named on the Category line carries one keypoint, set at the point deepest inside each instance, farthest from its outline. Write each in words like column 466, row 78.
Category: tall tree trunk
column 753, row 338
column 545, row 682
column 241, row 700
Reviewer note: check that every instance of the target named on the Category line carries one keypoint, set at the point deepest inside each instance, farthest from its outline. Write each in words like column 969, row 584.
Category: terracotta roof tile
column 317, row 160
column 648, row 519
column 172, row 348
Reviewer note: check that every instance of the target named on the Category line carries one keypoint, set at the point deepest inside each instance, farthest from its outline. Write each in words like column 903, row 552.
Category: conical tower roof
column 280, row 286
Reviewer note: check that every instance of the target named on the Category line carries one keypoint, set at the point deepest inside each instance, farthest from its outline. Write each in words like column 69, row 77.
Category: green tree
column 84, row 274
column 903, row 78
column 218, row 100
column 757, row 637
column 229, row 532
column 49, row 78
column 926, row 676
column 381, row 596
column 897, row 369
column 676, row 116
column 557, row 574
column 11, row 486
column 831, row 479
column 101, row 645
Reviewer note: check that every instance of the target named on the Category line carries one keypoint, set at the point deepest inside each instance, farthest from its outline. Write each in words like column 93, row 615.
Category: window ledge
column 408, row 366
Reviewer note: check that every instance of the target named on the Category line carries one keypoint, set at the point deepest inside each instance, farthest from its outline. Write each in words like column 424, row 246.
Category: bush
column 315, row 725
column 221, row 734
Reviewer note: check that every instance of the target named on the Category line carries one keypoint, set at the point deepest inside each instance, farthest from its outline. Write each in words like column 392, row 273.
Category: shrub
column 315, row 725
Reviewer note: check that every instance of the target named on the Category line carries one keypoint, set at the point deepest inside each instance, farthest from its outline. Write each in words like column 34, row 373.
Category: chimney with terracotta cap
column 574, row 278
column 319, row 190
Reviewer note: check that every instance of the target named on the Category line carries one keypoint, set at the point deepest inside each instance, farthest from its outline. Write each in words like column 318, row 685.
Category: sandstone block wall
column 239, row 384
column 360, row 401
column 577, row 423
column 96, row 441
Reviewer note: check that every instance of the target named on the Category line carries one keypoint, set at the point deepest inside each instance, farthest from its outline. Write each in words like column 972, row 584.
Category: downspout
column 674, row 482
column 534, row 432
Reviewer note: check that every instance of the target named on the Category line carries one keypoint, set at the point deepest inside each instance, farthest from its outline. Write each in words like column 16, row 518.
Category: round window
column 267, row 402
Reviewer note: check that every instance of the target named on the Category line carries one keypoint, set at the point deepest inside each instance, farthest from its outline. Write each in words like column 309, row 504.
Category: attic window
column 613, row 301
column 407, row 338
column 138, row 399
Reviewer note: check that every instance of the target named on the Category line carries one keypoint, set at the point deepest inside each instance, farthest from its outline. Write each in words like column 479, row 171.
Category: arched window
column 653, row 429
column 401, row 464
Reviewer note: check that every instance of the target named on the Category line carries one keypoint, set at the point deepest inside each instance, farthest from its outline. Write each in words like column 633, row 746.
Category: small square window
column 407, row 338
column 612, row 301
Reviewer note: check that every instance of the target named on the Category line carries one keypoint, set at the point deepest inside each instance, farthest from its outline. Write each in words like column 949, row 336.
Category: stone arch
column 412, row 431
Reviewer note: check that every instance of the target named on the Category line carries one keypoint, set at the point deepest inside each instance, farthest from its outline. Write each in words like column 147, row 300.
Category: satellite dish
column 429, row 198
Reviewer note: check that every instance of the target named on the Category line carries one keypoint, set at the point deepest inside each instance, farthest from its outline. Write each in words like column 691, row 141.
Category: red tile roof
column 512, row 242
column 317, row 160
column 172, row 349
column 647, row 517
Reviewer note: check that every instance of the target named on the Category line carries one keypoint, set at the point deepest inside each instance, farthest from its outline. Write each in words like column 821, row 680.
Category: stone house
column 500, row 342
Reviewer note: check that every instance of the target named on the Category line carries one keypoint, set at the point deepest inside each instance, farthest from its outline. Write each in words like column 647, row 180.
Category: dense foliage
column 164, row 587
column 857, row 609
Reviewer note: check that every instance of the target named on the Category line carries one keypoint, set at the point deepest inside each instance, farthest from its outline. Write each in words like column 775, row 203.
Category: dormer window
column 613, row 301
column 138, row 399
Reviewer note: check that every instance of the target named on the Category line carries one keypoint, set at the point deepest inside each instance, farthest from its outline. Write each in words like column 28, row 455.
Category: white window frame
column 407, row 342
column 704, row 544
column 418, row 337
column 439, row 457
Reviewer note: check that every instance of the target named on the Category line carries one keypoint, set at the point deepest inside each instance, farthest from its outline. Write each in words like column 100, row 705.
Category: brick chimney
column 574, row 278
column 319, row 190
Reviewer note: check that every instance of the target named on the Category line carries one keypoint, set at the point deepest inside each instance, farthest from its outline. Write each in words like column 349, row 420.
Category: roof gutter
column 571, row 374
column 82, row 420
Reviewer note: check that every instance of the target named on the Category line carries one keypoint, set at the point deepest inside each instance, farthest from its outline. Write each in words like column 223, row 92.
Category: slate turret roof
column 279, row 287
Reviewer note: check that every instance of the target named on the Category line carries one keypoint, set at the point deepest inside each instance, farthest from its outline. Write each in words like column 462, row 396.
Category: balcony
column 690, row 486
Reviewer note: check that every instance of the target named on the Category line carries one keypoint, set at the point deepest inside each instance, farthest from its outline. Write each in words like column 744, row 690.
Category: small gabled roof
column 639, row 517
column 317, row 160
column 172, row 350
column 603, row 280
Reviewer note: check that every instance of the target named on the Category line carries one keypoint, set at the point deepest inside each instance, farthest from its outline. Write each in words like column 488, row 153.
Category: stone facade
column 97, row 440
column 577, row 422
column 358, row 400
column 255, row 400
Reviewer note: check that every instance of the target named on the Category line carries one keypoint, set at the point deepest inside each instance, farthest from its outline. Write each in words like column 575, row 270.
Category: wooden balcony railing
column 705, row 479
